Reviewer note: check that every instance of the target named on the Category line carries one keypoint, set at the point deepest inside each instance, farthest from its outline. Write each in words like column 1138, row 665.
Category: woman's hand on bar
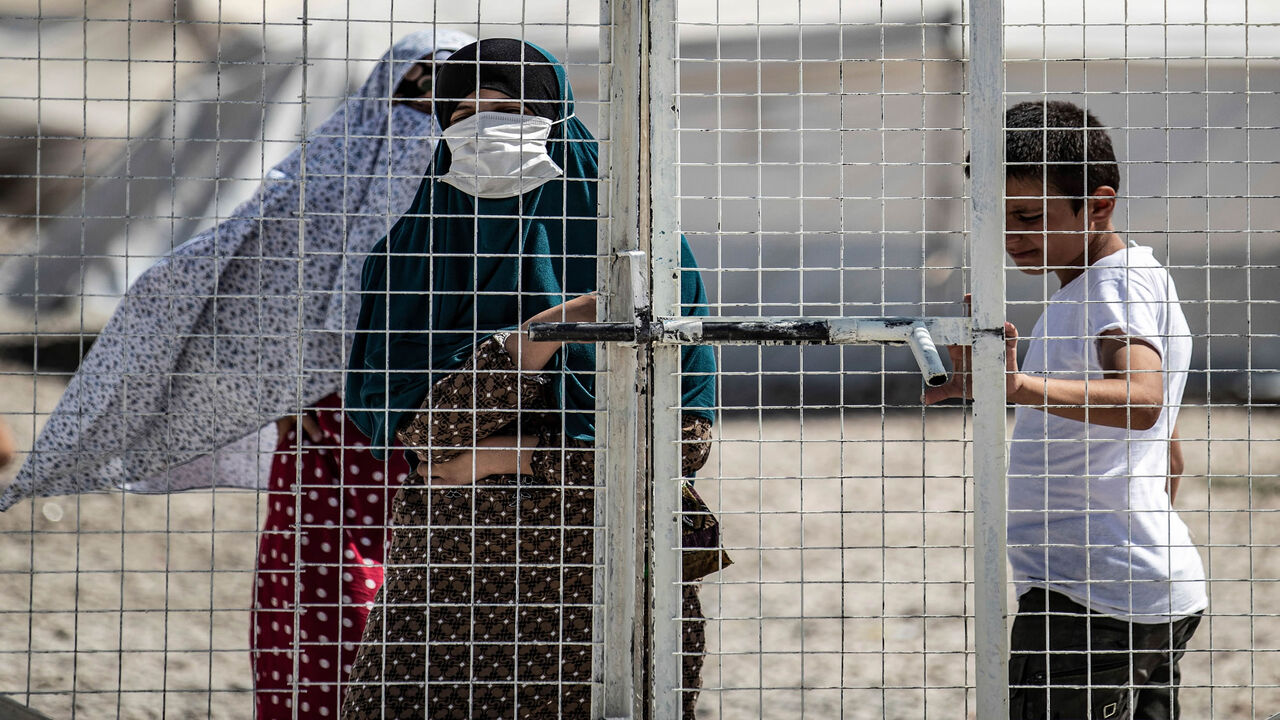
column 534, row 356
column 494, row 455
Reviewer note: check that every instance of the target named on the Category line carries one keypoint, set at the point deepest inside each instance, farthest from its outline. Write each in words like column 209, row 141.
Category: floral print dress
column 486, row 611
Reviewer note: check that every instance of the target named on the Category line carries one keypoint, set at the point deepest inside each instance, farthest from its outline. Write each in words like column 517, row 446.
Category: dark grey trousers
column 1067, row 662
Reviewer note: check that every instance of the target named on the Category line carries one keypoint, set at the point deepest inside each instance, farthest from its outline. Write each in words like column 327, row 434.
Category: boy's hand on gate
column 1013, row 380
column 960, row 383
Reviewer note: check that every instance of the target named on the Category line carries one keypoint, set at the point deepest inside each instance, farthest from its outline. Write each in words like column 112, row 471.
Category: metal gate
column 642, row 327
column 715, row 116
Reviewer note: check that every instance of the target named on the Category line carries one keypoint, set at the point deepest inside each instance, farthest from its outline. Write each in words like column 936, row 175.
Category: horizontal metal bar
column 825, row 331
column 583, row 332
column 899, row 330
column 775, row 330
column 767, row 331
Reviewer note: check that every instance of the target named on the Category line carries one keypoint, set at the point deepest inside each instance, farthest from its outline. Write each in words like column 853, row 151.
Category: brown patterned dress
column 486, row 609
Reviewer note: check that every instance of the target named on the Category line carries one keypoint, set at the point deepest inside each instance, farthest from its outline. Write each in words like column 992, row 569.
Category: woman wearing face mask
column 222, row 336
column 487, row 606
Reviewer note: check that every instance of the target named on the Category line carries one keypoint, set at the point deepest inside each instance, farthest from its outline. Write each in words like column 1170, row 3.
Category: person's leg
column 1158, row 698
column 1066, row 662
column 348, row 543
column 693, row 646
column 389, row 676
column 271, row 622
column 319, row 564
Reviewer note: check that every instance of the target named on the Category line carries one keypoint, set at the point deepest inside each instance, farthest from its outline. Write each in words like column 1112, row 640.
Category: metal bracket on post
column 632, row 271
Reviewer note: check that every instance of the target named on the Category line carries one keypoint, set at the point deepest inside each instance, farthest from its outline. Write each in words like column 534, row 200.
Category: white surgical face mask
column 499, row 155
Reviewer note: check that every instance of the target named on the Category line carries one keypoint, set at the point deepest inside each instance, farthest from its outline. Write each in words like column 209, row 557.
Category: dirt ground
column 852, row 580
column 849, row 597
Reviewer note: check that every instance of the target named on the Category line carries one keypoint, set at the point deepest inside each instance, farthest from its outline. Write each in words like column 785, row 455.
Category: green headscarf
column 456, row 269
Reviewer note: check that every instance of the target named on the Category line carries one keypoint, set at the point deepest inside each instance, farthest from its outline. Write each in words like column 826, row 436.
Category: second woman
column 487, row 608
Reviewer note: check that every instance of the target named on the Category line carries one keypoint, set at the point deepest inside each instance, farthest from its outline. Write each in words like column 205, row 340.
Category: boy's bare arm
column 1175, row 466
column 1129, row 395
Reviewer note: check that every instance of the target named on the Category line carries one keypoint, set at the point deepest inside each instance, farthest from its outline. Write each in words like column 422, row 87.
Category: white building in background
column 829, row 186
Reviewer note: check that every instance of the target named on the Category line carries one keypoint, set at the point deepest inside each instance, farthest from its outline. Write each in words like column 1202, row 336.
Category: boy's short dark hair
column 1045, row 140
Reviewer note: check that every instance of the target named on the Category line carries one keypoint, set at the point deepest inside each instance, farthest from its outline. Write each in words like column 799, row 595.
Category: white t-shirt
column 1088, row 513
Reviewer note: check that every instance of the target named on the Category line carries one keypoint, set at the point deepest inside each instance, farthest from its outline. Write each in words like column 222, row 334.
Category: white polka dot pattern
column 321, row 560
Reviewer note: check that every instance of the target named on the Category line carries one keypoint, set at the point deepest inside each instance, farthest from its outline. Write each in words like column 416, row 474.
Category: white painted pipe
column 927, row 357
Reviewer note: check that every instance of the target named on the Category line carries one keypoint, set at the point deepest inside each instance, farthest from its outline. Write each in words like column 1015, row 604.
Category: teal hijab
column 456, row 269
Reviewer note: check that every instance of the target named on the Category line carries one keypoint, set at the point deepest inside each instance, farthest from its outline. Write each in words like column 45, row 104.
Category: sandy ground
column 848, row 598
column 852, row 580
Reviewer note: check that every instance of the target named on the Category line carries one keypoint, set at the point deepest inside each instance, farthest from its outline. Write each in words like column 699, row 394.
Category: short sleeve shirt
column 1088, row 513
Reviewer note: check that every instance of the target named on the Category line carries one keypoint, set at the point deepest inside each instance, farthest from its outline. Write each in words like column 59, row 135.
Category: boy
column 1110, row 587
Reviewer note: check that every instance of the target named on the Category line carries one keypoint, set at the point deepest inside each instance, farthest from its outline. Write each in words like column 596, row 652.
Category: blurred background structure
column 128, row 130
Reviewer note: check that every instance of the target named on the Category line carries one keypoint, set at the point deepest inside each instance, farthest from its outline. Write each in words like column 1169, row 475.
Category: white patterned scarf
column 246, row 322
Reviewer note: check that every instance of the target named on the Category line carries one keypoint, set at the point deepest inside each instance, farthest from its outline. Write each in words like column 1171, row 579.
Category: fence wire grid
column 209, row 530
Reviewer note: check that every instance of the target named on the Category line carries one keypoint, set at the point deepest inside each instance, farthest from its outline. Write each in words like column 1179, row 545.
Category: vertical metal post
column 665, row 277
column 985, row 120
column 622, row 469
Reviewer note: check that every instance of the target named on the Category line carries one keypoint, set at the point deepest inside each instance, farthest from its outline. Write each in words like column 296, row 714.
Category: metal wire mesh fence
column 1178, row 89
column 819, row 157
column 814, row 155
